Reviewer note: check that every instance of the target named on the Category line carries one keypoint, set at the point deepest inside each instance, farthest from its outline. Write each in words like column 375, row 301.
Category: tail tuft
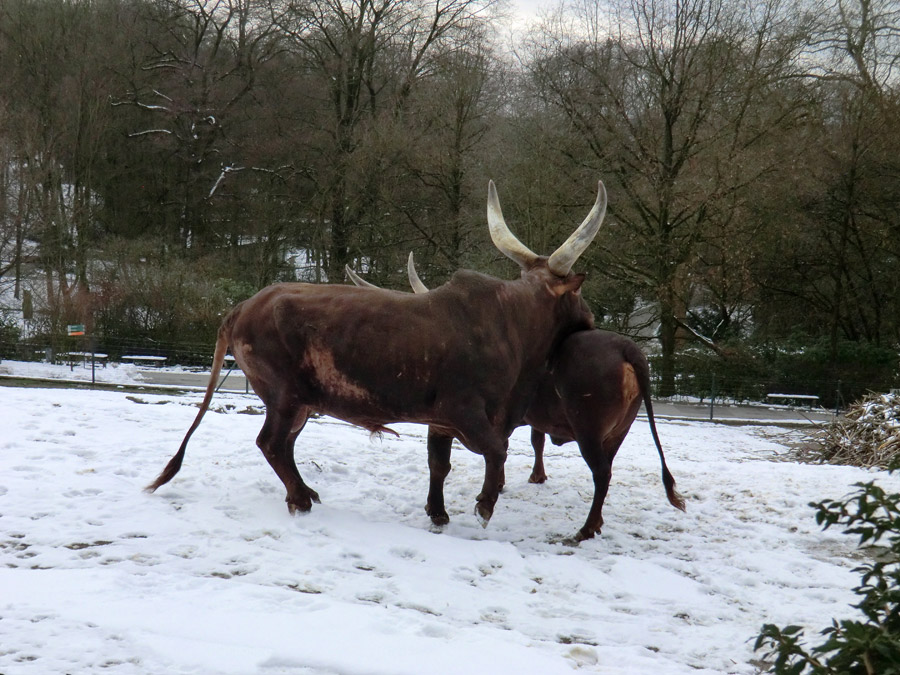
column 169, row 472
column 675, row 499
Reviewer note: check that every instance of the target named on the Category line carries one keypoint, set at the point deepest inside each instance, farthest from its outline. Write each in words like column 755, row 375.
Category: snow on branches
column 867, row 435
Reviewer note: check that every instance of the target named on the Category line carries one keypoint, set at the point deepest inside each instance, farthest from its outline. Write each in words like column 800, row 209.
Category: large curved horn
column 560, row 263
column 356, row 279
column 414, row 280
column 503, row 239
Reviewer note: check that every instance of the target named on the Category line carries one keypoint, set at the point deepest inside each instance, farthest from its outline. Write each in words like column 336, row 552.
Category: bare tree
column 364, row 59
column 191, row 74
column 55, row 89
column 850, row 226
column 451, row 133
column 680, row 102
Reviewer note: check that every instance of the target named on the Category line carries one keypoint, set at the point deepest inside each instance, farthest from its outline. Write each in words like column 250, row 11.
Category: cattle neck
column 555, row 300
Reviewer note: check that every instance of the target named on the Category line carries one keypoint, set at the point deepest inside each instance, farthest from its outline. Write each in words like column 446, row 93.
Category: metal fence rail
column 704, row 381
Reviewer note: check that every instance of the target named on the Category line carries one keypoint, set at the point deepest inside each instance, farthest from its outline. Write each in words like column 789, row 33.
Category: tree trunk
column 667, row 336
column 339, row 248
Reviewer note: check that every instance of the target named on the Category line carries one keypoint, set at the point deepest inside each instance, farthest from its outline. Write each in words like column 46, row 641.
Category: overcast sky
column 528, row 10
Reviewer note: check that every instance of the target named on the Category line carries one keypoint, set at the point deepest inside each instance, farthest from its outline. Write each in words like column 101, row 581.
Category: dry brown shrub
column 867, row 435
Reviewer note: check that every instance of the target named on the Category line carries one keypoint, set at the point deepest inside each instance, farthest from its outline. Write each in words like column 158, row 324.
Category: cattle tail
column 174, row 465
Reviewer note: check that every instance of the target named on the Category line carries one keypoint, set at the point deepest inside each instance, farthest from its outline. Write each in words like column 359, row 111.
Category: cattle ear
column 571, row 283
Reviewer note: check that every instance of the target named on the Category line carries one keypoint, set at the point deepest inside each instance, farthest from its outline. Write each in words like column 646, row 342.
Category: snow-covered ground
column 212, row 575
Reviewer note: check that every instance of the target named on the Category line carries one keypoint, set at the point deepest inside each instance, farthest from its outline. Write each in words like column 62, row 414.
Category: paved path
column 234, row 381
column 743, row 414
column 724, row 414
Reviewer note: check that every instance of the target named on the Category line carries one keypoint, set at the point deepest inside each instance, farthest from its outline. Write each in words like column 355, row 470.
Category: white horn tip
column 414, row 280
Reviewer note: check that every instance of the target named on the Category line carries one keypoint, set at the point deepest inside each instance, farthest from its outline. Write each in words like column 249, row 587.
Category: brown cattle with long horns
column 464, row 358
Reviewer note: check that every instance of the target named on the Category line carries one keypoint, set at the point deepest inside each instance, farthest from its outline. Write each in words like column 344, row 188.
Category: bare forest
column 161, row 160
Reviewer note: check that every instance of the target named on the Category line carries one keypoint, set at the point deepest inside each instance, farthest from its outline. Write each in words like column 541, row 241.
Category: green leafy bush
column 869, row 647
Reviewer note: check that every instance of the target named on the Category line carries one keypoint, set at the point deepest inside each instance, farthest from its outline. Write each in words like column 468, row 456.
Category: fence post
column 837, row 398
column 712, row 395
column 93, row 344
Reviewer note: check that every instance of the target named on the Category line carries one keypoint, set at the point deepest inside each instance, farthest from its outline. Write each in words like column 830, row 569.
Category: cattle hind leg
column 276, row 440
column 599, row 457
column 538, row 475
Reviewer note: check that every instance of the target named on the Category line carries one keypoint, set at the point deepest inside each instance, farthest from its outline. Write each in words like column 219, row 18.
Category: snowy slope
column 212, row 575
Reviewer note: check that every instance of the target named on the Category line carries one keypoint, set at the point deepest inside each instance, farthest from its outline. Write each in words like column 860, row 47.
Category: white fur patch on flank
column 330, row 378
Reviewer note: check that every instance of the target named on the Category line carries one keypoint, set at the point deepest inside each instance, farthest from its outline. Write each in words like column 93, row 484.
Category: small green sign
column 75, row 329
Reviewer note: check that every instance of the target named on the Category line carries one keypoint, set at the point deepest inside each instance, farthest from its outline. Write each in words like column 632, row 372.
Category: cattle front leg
column 276, row 440
column 537, row 442
column 438, row 467
column 494, row 452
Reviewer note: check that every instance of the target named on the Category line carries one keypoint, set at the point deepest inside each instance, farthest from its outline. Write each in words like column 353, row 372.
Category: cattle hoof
column 293, row 509
column 303, row 504
column 582, row 535
column 483, row 513
column 439, row 519
column 537, row 479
